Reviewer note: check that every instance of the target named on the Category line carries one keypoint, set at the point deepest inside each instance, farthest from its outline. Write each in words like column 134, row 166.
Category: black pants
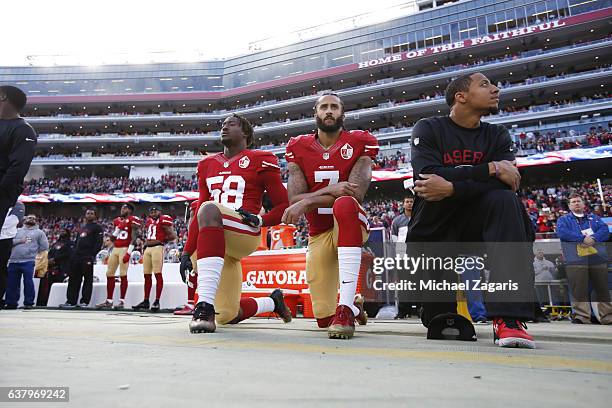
column 81, row 269
column 44, row 287
column 6, row 245
column 495, row 217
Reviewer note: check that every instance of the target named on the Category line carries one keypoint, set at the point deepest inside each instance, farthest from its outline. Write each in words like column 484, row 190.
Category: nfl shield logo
column 244, row 162
column 346, row 152
column 325, row 156
column 226, row 164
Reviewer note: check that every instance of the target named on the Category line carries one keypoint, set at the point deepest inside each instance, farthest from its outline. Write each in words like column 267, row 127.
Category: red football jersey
column 155, row 229
column 194, row 206
column 323, row 167
column 124, row 239
column 241, row 181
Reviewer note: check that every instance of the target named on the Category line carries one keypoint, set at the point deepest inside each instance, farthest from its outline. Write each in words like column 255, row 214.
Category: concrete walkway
column 112, row 359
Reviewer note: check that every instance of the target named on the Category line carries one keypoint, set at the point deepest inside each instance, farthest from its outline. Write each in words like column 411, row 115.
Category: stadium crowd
column 544, row 204
column 70, row 185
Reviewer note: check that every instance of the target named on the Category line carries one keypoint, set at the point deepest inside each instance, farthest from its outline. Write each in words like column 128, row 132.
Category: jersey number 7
column 320, row 176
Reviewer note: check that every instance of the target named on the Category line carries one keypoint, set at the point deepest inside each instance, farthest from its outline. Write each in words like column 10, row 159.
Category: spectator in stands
column 399, row 226
column 7, row 233
column 582, row 242
column 29, row 242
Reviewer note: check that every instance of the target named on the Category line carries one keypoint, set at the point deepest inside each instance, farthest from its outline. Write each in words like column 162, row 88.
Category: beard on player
column 327, row 128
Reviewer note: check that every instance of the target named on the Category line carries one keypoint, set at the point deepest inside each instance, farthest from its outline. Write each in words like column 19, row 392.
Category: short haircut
column 328, row 93
column 15, row 96
column 460, row 84
column 130, row 206
column 246, row 126
column 92, row 209
column 574, row 195
column 409, row 197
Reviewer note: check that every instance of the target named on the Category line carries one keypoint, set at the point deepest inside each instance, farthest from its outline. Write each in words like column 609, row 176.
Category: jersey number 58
column 223, row 189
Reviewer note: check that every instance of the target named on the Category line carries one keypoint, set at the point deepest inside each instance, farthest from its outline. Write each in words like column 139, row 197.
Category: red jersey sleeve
column 370, row 145
column 166, row 220
column 202, row 187
column 269, row 174
column 192, row 236
column 135, row 221
column 290, row 154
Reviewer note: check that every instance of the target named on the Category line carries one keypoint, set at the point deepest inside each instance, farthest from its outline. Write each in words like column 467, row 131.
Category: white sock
column 209, row 274
column 349, row 261
column 264, row 304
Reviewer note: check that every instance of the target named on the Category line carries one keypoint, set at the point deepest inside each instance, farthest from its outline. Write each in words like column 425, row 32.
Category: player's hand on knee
column 344, row 188
column 507, row 172
column 185, row 267
column 249, row 218
column 433, row 187
column 293, row 213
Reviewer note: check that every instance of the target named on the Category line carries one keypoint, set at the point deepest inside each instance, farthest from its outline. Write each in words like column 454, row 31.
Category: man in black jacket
column 466, row 179
column 81, row 268
column 60, row 254
column 17, row 142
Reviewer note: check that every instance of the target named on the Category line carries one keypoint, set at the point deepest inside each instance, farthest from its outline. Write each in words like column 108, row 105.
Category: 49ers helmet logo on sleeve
column 346, row 151
column 244, row 162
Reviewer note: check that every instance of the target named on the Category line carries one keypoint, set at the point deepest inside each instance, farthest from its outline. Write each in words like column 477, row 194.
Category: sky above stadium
column 43, row 32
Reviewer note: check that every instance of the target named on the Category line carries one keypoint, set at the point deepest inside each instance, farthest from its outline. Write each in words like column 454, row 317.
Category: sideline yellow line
column 531, row 360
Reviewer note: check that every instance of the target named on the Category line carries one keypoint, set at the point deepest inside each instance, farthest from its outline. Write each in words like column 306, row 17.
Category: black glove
column 186, row 266
column 250, row 219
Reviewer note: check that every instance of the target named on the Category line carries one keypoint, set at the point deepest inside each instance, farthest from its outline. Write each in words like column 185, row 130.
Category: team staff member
column 87, row 246
column 29, row 242
column 17, row 142
column 60, row 254
column 583, row 238
column 465, row 185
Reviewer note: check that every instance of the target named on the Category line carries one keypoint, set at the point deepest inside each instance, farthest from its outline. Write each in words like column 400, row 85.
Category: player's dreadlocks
column 246, row 126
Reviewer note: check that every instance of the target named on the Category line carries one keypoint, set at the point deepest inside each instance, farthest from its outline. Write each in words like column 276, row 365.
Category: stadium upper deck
column 447, row 33
column 388, row 74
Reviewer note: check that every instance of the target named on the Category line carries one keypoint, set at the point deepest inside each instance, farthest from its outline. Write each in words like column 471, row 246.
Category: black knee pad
column 451, row 326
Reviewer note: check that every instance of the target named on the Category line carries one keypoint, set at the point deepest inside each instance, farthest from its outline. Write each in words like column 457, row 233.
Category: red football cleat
column 343, row 324
column 511, row 333
column 185, row 311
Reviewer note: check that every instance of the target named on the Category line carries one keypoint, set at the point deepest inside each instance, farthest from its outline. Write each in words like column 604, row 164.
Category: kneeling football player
column 329, row 174
column 227, row 227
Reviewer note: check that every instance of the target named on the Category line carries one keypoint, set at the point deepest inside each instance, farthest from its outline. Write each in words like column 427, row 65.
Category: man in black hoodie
column 466, row 179
column 17, row 142
column 87, row 246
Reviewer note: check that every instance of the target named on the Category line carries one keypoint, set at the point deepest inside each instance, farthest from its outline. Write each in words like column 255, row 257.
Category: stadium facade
column 157, row 119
